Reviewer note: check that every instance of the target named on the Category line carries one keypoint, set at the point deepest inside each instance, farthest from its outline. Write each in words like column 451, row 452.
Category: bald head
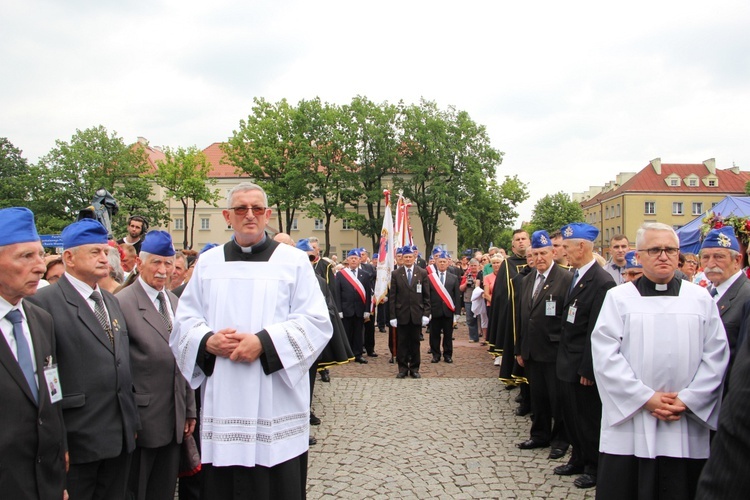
column 284, row 239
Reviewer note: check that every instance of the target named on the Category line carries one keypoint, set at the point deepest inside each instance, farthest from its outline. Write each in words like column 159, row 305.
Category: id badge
column 52, row 378
column 572, row 314
column 550, row 308
column 419, row 287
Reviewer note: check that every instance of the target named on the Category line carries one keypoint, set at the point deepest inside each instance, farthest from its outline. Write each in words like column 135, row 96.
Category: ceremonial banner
column 386, row 254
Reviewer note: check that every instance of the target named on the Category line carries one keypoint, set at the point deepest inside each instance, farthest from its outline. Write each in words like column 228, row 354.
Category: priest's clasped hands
column 665, row 406
column 241, row 347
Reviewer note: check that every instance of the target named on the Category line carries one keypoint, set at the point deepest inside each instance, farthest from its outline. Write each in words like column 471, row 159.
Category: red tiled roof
column 648, row 181
column 219, row 164
column 152, row 154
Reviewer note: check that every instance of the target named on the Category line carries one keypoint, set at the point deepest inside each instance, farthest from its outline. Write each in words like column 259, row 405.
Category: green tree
column 491, row 211
column 371, row 140
column 184, row 175
column 16, row 188
column 446, row 160
column 553, row 211
column 69, row 175
column 271, row 149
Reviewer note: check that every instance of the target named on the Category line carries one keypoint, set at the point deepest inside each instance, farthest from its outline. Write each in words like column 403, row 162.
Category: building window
column 677, row 208
column 674, row 182
column 618, row 210
column 697, row 208
column 205, row 223
column 714, row 203
column 343, row 254
column 294, row 225
column 179, row 224
column 607, row 233
column 650, row 208
column 618, row 230
column 693, row 182
column 345, row 224
column 712, row 183
column 319, row 225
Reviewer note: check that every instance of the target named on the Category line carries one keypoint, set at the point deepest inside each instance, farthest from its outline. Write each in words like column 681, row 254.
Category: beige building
column 672, row 193
column 211, row 228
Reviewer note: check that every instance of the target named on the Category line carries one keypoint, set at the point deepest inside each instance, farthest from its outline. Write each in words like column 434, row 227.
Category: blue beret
column 375, row 256
column 468, row 253
column 304, row 245
column 631, row 261
column 436, row 250
column 443, row 255
column 354, row 252
column 540, row 239
column 84, row 232
column 407, row 250
column 400, row 251
column 721, row 238
column 207, row 247
column 363, row 250
column 18, row 226
column 579, row 231
column 158, row 243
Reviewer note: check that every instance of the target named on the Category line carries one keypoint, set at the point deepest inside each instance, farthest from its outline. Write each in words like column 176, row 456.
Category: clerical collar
column 260, row 252
column 258, row 247
column 648, row 288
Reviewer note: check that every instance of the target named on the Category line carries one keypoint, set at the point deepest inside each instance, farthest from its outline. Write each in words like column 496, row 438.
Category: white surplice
column 643, row 344
column 249, row 417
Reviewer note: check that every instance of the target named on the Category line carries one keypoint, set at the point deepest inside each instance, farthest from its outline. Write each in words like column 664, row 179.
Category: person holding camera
column 471, row 279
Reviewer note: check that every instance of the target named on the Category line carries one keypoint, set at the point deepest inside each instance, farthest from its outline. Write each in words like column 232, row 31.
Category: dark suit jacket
column 348, row 299
column 540, row 334
column 101, row 418
column 725, row 475
column 32, row 438
column 731, row 310
column 162, row 394
column 437, row 306
column 406, row 305
column 574, row 353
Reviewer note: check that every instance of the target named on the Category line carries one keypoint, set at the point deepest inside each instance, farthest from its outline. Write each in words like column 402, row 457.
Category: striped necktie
column 23, row 351
column 101, row 315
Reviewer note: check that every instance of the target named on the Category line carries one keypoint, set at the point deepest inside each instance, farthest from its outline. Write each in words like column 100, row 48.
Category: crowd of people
column 126, row 358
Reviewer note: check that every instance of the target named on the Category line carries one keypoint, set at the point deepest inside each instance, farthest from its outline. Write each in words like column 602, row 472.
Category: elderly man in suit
column 409, row 299
column 99, row 409
column 32, row 433
column 166, row 404
column 581, row 406
column 721, row 260
column 540, row 323
column 354, row 291
column 444, row 295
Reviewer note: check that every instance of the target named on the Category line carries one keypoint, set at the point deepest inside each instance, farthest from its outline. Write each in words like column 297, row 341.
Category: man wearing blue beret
column 166, row 404
column 94, row 360
column 32, row 433
column 633, row 269
column 353, row 302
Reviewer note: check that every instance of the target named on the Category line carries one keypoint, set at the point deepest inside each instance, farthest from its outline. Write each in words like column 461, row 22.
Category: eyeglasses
column 695, row 263
column 242, row 211
column 632, row 274
column 655, row 252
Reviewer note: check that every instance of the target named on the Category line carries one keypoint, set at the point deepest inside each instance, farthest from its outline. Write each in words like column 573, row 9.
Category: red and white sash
column 356, row 284
column 431, row 269
column 440, row 288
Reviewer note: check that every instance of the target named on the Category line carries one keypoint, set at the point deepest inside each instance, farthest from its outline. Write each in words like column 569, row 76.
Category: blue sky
column 572, row 92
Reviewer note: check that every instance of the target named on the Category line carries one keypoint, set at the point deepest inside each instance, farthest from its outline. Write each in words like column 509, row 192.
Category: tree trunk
column 184, row 223
column 192, row 225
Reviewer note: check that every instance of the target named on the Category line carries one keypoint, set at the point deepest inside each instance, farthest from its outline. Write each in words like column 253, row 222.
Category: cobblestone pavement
column 451, row 434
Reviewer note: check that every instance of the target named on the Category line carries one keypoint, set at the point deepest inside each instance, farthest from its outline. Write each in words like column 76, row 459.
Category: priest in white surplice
column 248, row 327
column 660, row 353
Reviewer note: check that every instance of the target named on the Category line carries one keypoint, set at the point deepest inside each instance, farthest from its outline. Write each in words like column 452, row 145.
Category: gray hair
column 116, row 273
column 474, row 261
column 640, row 236
column 243, row 187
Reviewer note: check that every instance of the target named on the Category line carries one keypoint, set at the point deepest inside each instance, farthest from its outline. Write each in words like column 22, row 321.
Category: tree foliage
column 69, row 175
column 554, row 211
column 18, row 181
column 184, row 175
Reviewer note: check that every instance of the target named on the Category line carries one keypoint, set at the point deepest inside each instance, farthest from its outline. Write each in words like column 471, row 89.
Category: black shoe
column 325, row 376
column 518, row 398
column 313, row 419
column 372, row 354
column 429, row 351
column 392, row 360
column 401, row 375
column 312, row 441
column 421, row 337
column 585, row 481
column 568, row 470
column 381, row 329
column 510, row 387
column 531, row 444
column 435, row 359
column 361, row 360
column 448, row 359
column 415, row 375
column 522, row 411
column 556, row 453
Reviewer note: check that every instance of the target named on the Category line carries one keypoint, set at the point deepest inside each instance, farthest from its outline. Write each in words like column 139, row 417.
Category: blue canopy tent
column 690, row 233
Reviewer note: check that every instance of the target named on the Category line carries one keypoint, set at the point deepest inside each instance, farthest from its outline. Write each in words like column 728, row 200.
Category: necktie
column 539, row 286
column 101, row 315
column 442, row 278
column 714, row 292
column 23, row 351
column 573, row 283
column 163, row 311
column 408, row 276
